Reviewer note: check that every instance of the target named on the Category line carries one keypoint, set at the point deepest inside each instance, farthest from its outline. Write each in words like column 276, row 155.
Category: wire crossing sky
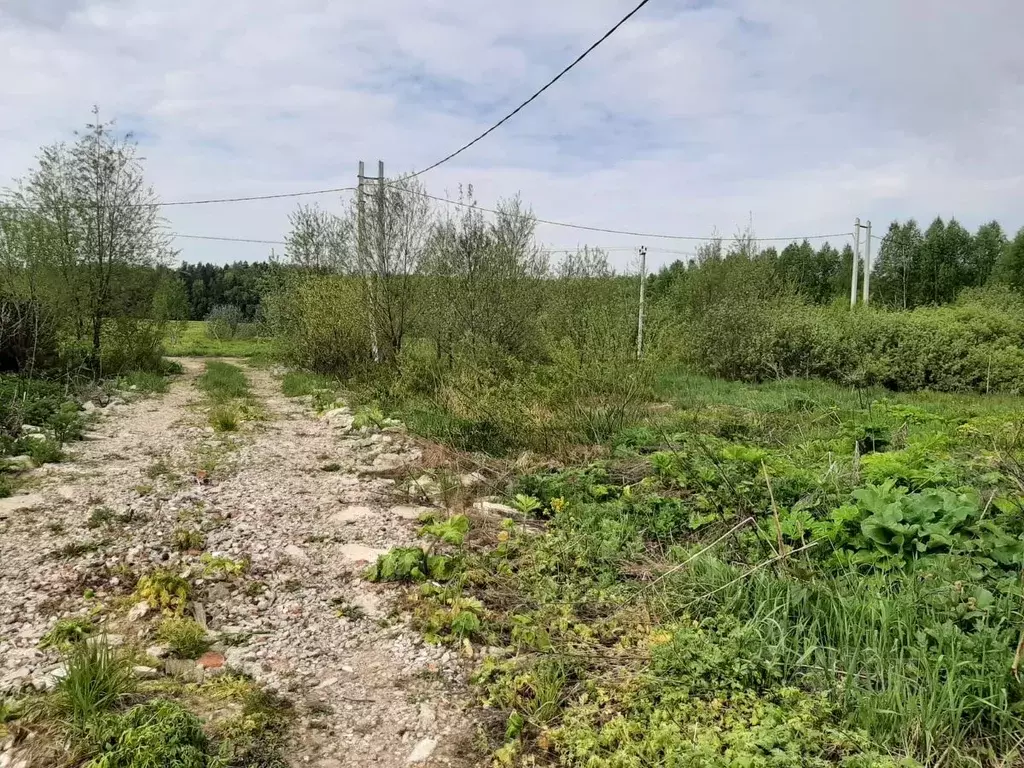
column 692, row 118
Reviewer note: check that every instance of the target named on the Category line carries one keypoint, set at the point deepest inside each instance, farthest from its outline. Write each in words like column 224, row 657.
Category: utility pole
column 643, row 290
column 363, row 259
column 867, row 266
column 856, row 260
column 380, row 263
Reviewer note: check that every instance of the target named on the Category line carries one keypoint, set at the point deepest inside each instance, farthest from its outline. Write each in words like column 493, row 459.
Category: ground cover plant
column 794, row 573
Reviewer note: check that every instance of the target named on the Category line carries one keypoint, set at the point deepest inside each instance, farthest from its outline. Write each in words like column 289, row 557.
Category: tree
column 103, row 226
column 397, row 220
column 1010, row 267
column 989, row 244
column 897, row 278
column 319, row 240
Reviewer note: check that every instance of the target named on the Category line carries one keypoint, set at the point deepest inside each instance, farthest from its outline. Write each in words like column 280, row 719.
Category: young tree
column 1010, row 267
column 989, row 244
column 319, row 241
column 103, row 225
column 397, row 220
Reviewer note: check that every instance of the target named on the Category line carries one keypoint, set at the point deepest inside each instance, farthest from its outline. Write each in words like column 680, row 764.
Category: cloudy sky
column 697, row 116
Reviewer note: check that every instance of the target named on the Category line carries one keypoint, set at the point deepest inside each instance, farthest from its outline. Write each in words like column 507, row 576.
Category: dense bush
column 976, row 344
column 320, row 323
column 28, row 336
column 223, row 321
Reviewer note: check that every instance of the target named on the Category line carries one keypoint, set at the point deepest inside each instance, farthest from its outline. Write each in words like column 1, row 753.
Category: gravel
column 367, row 691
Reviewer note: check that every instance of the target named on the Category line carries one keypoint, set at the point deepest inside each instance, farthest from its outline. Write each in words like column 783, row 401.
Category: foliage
column 68, row 632
column 184, row 540
column 97, row 679
column 223, row 381
column 156, row 734
column 186, row 638
column 224, row 418
column 164, row 590
column 410, row 564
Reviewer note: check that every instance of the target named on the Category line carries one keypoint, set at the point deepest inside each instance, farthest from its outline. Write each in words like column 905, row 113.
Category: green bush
column 320, row 323
column 185, row 637
column 156, row 734
column 973, row 345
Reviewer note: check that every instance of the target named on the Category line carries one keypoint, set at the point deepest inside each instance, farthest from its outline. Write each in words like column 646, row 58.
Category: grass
column 185, row 637
column 789, row 573
column 223, row 381
column 144, row 383
column 98, row 679
column 224, row 418
column 193, row 341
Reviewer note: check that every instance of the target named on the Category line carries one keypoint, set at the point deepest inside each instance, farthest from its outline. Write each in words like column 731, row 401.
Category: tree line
column 911, row 268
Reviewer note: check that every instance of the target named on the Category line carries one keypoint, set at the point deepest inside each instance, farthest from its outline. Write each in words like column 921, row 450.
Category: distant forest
column 912, row 268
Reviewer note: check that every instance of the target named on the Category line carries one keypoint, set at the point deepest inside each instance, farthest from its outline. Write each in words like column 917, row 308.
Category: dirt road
column 295, row 495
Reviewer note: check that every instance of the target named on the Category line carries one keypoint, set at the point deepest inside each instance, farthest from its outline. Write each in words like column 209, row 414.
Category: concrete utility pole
column 867, row 266
column 643, row 291
column 362, row 258
column 856, row 260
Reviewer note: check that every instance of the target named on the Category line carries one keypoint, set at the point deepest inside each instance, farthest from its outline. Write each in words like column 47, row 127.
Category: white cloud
column 694, row 117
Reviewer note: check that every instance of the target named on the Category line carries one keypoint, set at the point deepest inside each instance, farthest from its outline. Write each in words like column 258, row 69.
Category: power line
column 607, row 231
column 228, row 239
column 547, row 85
column 250, row 198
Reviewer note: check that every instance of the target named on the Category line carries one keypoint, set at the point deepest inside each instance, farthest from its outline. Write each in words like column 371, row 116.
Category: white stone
column 427, row 717
column 360, row 553
column 296, row 553
column 138, row 611
column 410, row 511
column 16, row 503
column 422, row 751
column 494, row 508
column 350, row 515
column 145, row 673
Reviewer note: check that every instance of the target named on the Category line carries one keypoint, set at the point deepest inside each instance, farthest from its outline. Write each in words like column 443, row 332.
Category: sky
column 696, row 117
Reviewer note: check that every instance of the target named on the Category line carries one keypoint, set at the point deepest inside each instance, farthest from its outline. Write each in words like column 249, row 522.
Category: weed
column 219, row 566
column 153, row 734
column 164, row 590
column 56, row 528
column 144, row 489
column 332, row 467
column 185, row 637
column 99, row 517
column 159, row 468
column 68, row 632
column 367, row 417
column 184, row 540
column 77, row 549
column 224, row 418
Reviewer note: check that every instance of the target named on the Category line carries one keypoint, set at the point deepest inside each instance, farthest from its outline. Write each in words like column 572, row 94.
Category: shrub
column 45, row 451
column 28, row 337
column 223, row 321
column 321, row 324
column 131, row 344
column 968, row 346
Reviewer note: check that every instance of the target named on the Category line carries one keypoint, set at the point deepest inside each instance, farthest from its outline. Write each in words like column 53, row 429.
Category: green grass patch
column 144, row 383
column 193, row 341
column 223, row 381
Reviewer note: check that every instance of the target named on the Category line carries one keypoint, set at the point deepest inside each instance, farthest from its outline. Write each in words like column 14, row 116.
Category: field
column 190, row 339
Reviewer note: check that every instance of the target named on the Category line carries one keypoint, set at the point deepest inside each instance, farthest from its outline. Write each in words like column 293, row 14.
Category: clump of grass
column 184, row 539
column 99, row 517
column 223, row 381
column 76, row 549
column 301, row 383
column 98, row 679
column 67, row 632
column 159, row 468
column 45, row 451
column 224, row 418
column 186, row 638
column 144, row 382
